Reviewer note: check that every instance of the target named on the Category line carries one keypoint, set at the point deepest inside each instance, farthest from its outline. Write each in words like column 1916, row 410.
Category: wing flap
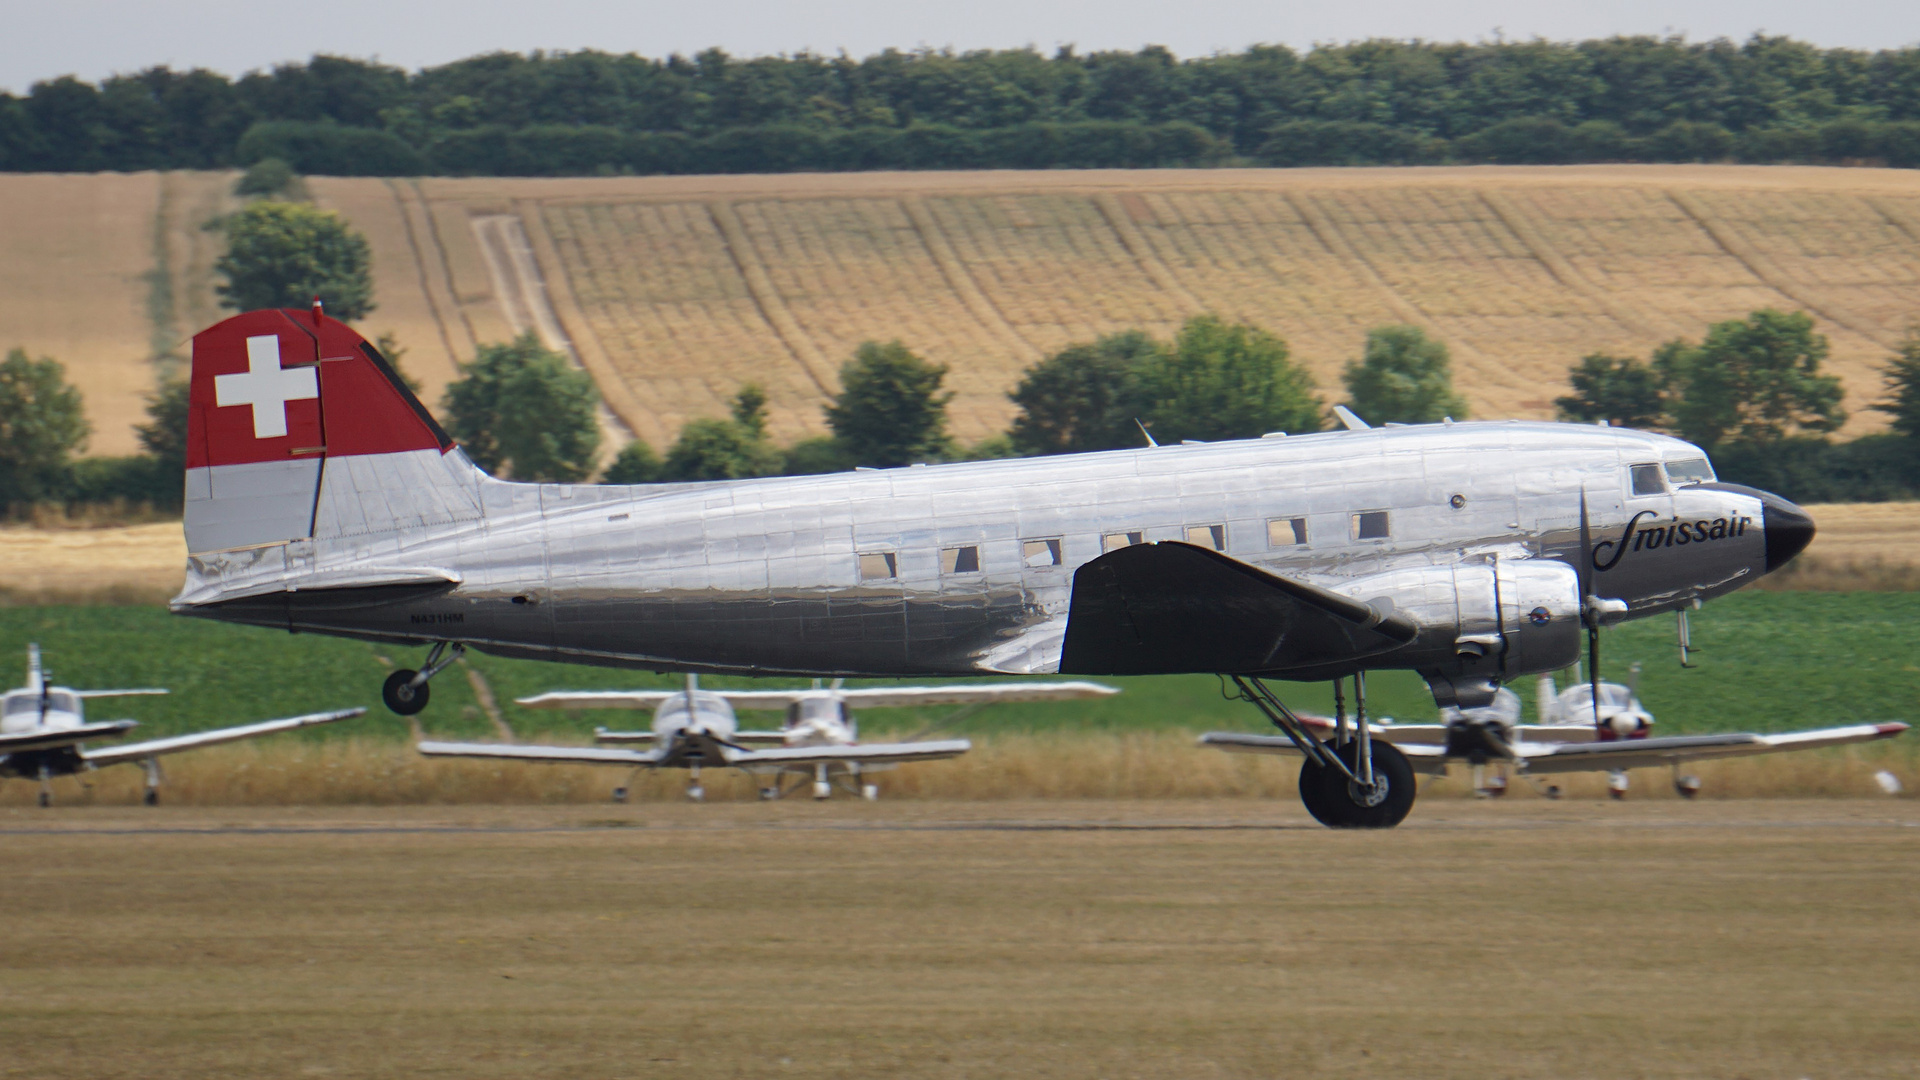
column 155, row 747
column 1170, row 607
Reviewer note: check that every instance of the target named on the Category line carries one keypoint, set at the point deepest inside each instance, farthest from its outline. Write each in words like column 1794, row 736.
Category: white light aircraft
column 43, row 733
column 695, row 728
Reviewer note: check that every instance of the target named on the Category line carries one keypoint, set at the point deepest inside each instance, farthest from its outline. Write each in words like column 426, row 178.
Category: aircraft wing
column 1170, row 607
column 866, row 697
column 1427, row 757
column 574, row 755
column 606, row 736
column 874, row 752
column 155, row 747
column 1636, row 753
column 116, row 693
column 47, row 739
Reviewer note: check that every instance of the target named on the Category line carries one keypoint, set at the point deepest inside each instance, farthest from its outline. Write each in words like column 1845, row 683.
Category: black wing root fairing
column 1172, row 608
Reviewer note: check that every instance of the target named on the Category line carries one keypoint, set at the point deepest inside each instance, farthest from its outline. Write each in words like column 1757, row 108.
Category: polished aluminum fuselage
column 768, row 577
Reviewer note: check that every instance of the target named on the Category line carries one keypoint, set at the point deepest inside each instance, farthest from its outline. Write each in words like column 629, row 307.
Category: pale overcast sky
column 94, row 38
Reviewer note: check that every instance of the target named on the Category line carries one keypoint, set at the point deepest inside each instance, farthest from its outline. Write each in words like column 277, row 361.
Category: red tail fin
column 274, row 395
column 281, row 385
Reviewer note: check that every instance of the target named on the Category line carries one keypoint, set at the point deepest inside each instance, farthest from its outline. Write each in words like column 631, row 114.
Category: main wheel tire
column 1339, row 803
column 402, row 696
column 152, row 797
column 46, row 800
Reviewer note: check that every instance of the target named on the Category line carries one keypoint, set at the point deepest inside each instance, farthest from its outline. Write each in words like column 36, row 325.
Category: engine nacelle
column 1484, row 624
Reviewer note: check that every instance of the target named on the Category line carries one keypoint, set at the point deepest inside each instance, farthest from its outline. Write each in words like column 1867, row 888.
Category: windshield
column 22, row 703
column 1689, row 471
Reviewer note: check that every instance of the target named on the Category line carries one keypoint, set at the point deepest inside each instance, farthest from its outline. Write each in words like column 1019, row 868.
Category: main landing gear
column 1351, row 782
column 406, row 692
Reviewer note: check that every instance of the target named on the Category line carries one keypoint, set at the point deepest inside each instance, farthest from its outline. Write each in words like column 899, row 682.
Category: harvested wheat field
column 1023, row 939
column 672, row 291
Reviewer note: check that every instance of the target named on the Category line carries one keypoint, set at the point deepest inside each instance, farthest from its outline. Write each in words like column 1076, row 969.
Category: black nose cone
column 1789, row 531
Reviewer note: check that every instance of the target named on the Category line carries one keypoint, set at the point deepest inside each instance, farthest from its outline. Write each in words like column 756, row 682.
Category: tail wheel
column 401, row 695
column 1340, row 803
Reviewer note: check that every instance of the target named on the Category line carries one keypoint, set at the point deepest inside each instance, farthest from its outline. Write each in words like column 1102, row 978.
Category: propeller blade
column 1583, row 571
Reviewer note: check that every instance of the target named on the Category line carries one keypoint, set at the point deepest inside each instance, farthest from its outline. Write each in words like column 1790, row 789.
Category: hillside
column 673, row 290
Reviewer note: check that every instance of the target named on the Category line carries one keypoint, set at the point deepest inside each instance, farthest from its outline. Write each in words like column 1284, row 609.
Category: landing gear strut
column 406, row 692
column 152, row 796
column 1351, row 783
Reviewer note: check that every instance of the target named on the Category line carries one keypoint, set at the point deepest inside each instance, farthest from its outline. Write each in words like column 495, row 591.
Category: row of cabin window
column 1281, row 532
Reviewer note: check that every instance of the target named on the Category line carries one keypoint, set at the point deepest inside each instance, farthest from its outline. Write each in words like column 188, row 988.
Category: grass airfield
column 1031, row 939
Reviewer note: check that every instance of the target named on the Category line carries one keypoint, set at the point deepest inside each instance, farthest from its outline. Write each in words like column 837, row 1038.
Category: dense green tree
column 1223, row 380
column 711, row 449
column 285, row 254
column 269, row 177
column 636, row 463
column 520, row 406
column 1903, row 387
column 1754, row 380
column 890, row 409
column 821, row 454
column 749, row 409
column 1085, row 397
column 41, row 425
column 164, row 438
column 1403, row 377
column 1623, row 391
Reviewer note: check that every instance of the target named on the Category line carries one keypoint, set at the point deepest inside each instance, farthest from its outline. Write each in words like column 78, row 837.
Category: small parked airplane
column 1572, row 735
column 694, row 728
column 43, row 733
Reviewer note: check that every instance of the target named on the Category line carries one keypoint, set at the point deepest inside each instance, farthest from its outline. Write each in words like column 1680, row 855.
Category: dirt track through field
column 675, row 290
column 1036, row 941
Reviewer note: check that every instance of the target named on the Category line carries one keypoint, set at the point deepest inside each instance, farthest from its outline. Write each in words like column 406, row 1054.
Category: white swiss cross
column 266, row 386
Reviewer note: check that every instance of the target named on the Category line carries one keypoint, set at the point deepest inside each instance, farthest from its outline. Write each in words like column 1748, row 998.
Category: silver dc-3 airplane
column 695, row 728
column 44, row 731
column 1571, row 734
column 322, row 497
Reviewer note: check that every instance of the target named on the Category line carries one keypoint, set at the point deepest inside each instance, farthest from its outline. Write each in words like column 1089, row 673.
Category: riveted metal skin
column 767, row 576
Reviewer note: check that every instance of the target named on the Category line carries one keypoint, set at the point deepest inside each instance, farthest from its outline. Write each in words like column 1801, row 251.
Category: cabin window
column 878, row 566
column 1113, row 541
column 960, row 560
column 1647, row 480
column 1690, row 471
column 1213, row 536
column 1286, row 532
column 1040, row 552
column 1370, row 525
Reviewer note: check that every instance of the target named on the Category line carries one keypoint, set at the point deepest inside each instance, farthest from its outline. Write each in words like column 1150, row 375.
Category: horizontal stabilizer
column 116, row 693
column 1170, row 607
column 865, row 697
column 173, row 745
column 48, row 738
column 607, row 737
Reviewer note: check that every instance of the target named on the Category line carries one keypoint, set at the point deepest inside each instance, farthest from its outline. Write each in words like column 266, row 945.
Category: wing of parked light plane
column 1424, row 745
column 47, row 738
column 1426, row 757
column 730, row 755
column 155, row 747
column 559, row 755
column 116, row 693
column 1635, row 753
column 865, row 697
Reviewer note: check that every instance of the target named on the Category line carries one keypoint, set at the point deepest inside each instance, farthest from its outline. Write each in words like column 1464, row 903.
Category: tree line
column 1767, row 99
column 1751, row 392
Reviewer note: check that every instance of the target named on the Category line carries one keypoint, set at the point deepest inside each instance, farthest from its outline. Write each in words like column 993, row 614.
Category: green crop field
column 1768, row 661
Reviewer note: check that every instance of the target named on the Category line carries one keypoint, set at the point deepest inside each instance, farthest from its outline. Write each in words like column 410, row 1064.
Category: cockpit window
column 22, row 703
column 1647, row 480
column 1690, row 471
